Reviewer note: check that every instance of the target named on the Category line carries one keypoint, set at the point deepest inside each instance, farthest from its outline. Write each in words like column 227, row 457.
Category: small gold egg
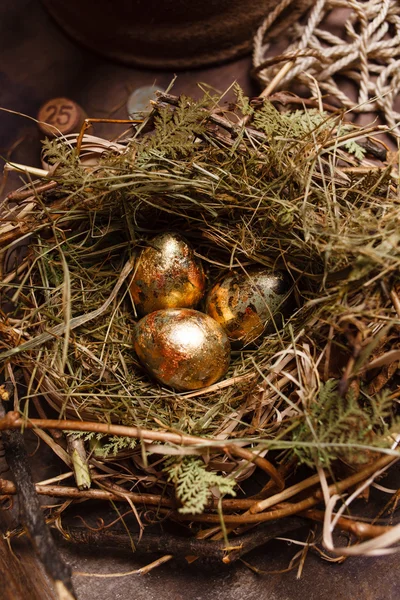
column 182, row 348
column 168, row 275
column 249, row 304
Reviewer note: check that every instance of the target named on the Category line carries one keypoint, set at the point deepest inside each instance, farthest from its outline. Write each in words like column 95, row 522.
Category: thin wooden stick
column 141, row 571
column 18, row 195
column 181, row 546
column 284, row 495
column 12, row 420
column 291, row 509
column 8, row 488
column 359, row 529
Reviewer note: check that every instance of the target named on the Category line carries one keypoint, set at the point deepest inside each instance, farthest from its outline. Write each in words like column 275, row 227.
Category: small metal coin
column 249, row 304
column 168, row 275
column 139, row 100
column 182, row 348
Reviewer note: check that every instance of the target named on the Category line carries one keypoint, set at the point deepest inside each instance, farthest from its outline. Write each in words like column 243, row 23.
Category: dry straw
column 276, row 182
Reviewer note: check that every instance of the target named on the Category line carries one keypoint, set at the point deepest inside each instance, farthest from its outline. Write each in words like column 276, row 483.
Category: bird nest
column 305, row 414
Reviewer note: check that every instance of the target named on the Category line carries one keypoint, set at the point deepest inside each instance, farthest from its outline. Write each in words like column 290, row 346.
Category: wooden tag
column 60, row 116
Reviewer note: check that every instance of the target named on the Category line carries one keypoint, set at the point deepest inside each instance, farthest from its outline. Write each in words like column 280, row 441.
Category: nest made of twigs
column 298, row 189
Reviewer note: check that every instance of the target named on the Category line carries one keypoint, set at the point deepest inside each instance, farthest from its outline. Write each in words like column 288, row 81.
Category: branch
column 8, row 488
column 285, row 509
column 12, row 420
column 357, row 528
column 182, row 547
column 18, row 195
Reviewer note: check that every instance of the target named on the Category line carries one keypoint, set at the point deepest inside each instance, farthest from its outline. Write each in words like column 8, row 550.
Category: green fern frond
column 193, row 483
column 326, row 392
column 305, row 121
column 116, row 444
column 335, row 419
column 353, row 148
column 56, row 151
column 176, row 130
column 104, row 445
column 269, row 120
column 242, row 101
column 83, row 435
column 289, row 125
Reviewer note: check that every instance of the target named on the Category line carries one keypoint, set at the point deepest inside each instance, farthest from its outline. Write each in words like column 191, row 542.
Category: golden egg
column 167, row 276
column 182, row 348
column 249, row 304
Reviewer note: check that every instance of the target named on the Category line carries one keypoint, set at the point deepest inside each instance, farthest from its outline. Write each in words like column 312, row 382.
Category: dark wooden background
column 37, row 62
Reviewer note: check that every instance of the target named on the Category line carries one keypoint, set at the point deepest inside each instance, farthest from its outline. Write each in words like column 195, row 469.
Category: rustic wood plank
column 21, row 571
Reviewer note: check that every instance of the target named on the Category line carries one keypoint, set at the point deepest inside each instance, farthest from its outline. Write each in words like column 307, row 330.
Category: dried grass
column 301, row 190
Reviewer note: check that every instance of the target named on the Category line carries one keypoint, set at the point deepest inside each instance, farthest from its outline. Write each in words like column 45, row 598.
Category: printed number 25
column 59, row 114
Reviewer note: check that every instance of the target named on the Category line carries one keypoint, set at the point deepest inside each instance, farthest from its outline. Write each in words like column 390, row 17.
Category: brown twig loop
column 261, row 462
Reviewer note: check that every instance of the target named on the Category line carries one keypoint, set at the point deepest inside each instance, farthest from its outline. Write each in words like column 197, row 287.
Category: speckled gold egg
column 249, row 304
column 182, row 348
column 168, row 275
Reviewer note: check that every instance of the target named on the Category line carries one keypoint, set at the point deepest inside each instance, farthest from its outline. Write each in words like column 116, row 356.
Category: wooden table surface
column 38, row 62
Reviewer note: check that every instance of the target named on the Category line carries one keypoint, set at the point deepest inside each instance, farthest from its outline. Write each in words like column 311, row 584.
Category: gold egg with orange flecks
column 248, row 304
column 168, row 275
column 182, row 348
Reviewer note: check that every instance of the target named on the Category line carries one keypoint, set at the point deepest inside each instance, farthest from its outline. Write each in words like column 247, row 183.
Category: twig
column 286, row 98
column 31, row 513
column 357, row 528
column 291, row 509
column 12, row 420
column 180, row 547
column 77, row 452
column 24, row 194
column 141, row 571
column 285, row 495
column 8, row 488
